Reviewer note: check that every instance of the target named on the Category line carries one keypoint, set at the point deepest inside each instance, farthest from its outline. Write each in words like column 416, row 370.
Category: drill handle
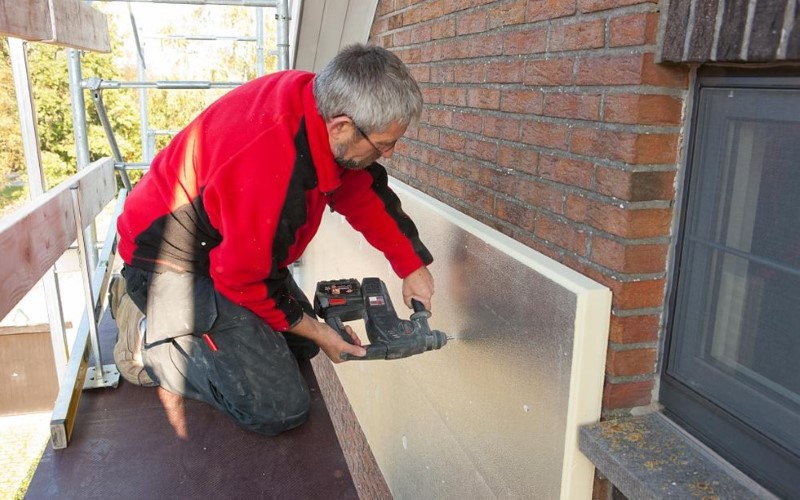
column 420, row 313
column 337, row 324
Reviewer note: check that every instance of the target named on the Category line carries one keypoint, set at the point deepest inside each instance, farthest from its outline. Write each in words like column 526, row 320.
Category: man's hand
column 418, row 285
column 336, row 345
column 327, row 339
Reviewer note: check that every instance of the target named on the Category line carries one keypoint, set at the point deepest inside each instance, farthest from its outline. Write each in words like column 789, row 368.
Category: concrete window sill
column 650, row 457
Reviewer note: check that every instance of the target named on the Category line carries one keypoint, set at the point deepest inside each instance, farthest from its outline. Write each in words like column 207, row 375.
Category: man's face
column 357, row 151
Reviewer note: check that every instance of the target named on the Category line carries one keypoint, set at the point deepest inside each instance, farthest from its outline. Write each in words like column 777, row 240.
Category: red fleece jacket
column 240, row 192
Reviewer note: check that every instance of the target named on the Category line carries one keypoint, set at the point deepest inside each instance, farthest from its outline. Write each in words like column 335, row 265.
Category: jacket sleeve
column 246, row 208
column 373, row 209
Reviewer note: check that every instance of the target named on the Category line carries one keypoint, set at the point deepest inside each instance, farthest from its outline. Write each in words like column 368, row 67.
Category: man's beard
column 350, row 163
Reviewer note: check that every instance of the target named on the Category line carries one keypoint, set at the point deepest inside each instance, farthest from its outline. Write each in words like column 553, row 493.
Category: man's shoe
column 131, row 325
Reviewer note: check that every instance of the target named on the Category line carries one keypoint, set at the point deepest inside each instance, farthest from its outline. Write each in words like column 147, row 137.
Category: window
column 732, row 369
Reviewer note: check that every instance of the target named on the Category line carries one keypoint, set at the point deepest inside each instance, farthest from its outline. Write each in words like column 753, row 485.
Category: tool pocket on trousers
column 179, row 304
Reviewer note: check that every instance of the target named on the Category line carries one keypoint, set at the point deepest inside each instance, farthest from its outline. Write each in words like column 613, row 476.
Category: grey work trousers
column 200, row 345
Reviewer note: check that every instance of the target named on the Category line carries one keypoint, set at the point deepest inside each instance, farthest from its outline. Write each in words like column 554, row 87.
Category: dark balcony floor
column 134, row 442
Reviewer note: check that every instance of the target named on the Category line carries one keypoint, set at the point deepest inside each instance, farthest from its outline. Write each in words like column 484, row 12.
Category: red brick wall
column 549, row 121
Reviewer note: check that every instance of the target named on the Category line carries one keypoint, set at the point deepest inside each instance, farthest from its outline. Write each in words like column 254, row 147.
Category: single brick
column 479, row 198
column 384, row 7
column 468, row 121
column 643, row 109
column 501, row 128
column 504, row 72
column 486, row 45
column 634, row 29
column 675, row 76
column 628, row 147
column 421, row 74
column 450, row 7
column 635, row 186
column 423, row 12
column 451, row 142
column 560, row 234
column 518, row 158
column 521, row 101
column 431, row 52
column 548, row 135
column 469, row 73
column 627, row 395
column 623, row 222
column 457, row 48
column 568, row 105
column 451, row 185
column 577, row 36
column 514, row 213
column 548, row 72
column 428, row 135
column 474, row 22
column 454, row 96
column 499, row 180
column 443, row 29
column 549, row 9
column 421, row 34
column 636, row 294
column 631, row 362
column 627, row 258
column 439, row 117
column 541, row 195
column 409, row 56
column 431, row 95
column 443, row 73
column 610, row 70
column 634, row 329
column 483, row 98
column 401, row 38
column 483, row 150
column 507, row 14
column 532, row 41
column 566, row 171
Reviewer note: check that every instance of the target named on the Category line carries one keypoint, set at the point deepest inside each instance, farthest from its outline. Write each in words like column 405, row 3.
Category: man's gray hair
column 370, row 85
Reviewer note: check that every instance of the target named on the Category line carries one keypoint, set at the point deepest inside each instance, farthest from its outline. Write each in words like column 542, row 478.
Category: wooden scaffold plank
column 71, row 23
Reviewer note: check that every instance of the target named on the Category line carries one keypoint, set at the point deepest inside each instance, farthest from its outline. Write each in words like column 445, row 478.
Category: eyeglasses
column 382, row 150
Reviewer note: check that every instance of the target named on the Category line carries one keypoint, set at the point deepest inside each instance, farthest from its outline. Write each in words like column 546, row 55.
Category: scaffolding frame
column 148, row 136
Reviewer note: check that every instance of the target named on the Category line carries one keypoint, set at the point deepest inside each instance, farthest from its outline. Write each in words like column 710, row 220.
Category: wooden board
column 77, row 25
column 27, row 20
column 36, row 235
column 28, row 380
column 71, row 23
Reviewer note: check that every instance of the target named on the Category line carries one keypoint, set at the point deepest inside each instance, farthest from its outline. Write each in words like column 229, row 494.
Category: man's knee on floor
column 271, row 415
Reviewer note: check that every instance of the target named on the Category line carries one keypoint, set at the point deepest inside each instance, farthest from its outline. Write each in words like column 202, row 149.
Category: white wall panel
column 495, row 412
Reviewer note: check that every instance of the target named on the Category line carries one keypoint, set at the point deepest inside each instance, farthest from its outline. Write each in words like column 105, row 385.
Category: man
column 234, row 199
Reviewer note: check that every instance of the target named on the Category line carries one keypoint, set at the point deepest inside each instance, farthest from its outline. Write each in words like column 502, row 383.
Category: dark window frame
column 766, row 462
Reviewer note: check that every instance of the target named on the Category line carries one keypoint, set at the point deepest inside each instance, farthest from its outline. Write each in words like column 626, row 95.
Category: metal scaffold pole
column 81, row 137
column 282, row 33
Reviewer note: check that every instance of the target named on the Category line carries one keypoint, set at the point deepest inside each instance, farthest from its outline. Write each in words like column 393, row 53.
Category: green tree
column 47, row 65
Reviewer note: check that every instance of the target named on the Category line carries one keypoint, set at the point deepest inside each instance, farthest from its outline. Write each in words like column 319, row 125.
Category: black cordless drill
column 338, row 301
